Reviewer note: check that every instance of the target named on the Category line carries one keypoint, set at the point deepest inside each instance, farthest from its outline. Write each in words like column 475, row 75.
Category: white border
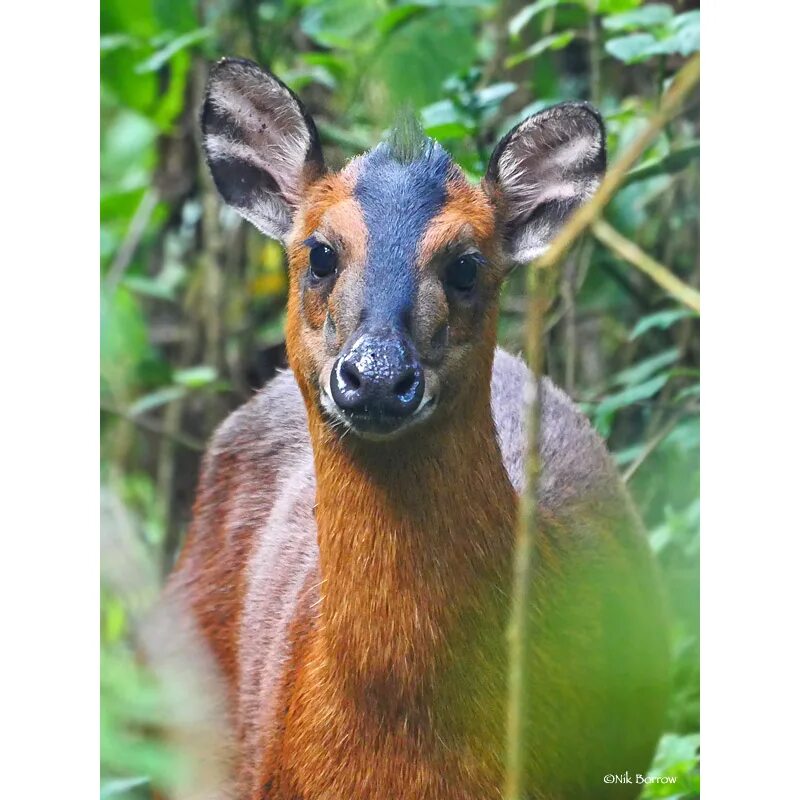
column 50, row 430
column 750, row 478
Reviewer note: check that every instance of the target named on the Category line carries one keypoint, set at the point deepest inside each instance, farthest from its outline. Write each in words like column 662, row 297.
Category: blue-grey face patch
column 398, row 201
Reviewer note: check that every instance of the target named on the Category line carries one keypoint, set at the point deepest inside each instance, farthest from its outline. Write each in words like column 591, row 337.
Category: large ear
column 261, row 145
column 541, row 171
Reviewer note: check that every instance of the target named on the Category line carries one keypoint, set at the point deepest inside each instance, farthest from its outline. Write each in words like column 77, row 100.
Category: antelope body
column 349, row 561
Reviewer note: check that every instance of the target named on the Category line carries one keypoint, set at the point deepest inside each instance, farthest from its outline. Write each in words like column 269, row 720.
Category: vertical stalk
column 525, row 556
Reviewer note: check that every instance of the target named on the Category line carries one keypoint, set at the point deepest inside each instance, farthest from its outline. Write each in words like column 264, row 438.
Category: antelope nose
column 379, row 377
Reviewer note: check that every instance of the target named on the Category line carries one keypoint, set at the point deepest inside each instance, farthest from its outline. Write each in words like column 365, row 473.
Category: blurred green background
column 193, row 299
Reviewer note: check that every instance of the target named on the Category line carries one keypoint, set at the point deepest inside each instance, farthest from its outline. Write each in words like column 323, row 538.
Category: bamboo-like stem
column 524, row 557
column 517, row 742
column 634, row 255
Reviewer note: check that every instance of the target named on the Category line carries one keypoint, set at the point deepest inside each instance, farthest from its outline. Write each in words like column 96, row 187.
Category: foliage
column 192, row 300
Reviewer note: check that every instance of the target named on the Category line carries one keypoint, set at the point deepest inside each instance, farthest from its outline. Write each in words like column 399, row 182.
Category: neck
column 415, row 543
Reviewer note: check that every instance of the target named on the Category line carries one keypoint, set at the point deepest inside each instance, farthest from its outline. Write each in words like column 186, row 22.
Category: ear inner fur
column 541, row 171
column 262, row 147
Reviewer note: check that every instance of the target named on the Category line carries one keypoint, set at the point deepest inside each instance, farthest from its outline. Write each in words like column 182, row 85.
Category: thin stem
column 525, row 554
column 153, row 427
column 652, row 446
column 645, row 263
column 133, row 237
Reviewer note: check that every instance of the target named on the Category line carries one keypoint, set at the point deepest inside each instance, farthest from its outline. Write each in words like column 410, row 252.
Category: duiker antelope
column 349, row 562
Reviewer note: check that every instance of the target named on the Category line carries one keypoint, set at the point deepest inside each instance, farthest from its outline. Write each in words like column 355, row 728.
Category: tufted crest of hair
column 543, row 169
column 407, row 142
column 261, row 145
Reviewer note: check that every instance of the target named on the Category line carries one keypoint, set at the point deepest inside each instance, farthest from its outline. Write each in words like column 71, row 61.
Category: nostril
column 406, row 385
column 349, row 376
column 347, row 386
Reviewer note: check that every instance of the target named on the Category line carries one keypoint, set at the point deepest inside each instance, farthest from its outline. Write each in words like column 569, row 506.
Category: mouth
column 375, row 427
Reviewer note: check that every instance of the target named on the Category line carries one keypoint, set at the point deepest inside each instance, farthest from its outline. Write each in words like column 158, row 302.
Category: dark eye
column 322, row 260
column 463, row 272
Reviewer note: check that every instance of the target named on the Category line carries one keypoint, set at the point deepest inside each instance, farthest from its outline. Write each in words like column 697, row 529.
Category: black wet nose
column 379, row 376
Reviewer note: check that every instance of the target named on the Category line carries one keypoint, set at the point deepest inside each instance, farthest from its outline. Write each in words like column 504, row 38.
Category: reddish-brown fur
column 392, row 682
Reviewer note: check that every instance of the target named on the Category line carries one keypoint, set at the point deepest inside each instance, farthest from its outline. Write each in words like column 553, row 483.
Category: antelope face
column 396, row 275
column 396, row 262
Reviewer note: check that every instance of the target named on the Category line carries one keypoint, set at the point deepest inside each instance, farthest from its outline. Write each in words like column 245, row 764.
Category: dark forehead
column 400, row 191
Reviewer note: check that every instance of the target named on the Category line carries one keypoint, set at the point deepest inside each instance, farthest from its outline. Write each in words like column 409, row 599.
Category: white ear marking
column 544, row 168
column 258, row 142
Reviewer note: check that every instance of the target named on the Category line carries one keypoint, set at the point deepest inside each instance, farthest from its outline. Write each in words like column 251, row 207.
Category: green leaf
column 156, row 399
column 443, row 120
column 396, row 16
column 689, row 19
column 615, row 6
column 176, row 15
column 339, row 23
column 668, row 164
column 415, row 60
column 127, row 151
column 298, row 78
column 131, row 16
column 116, row 40
column 632, row 48
column 118, row 786
column 195, row 377
column 162, row 56
column 661, row 320
column 649, row 16
column 686, row 436
column 677, row 757
column 555, row 41
column 644, row 369
column 680, row 34
column 688, row 391
column 523, row 17
column 150, row 287
column 332, row 63
column 609, row 405
column 683, row 35
column 491, row 96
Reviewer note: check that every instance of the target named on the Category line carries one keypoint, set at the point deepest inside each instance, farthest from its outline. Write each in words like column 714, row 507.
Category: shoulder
column 575, row 462
column 273, row 420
